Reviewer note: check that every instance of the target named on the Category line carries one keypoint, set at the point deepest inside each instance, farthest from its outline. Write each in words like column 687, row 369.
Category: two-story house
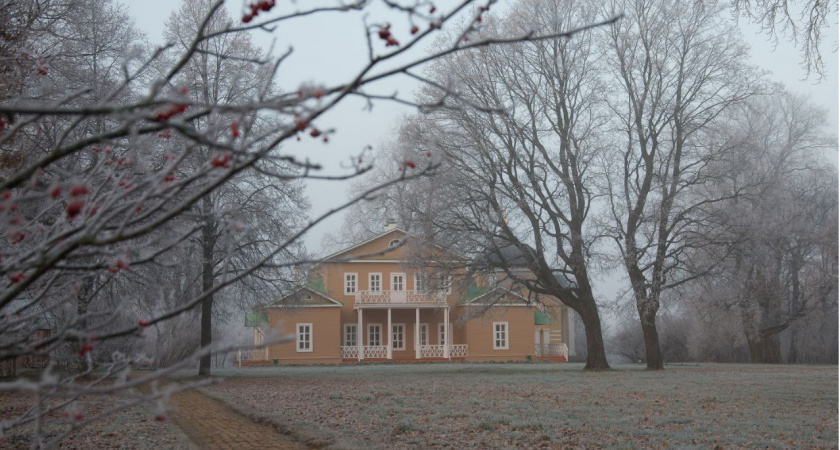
column 390, row 299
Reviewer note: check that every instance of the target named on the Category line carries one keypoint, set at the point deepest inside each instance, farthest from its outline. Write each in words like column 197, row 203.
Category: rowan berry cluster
column 385, row 35
column 256, row 8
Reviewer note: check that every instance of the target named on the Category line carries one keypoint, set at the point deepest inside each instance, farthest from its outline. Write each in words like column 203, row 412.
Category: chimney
column 391, row 224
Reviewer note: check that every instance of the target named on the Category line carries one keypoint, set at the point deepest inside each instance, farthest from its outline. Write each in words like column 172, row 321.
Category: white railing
column 376, row 351
column 399, row 297
column 252, row 355
column 431, row 351
column 350, row 352
column 551, row 350
column 458, row 351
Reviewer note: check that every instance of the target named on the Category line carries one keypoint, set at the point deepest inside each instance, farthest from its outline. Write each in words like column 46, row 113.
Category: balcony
column 426, row 297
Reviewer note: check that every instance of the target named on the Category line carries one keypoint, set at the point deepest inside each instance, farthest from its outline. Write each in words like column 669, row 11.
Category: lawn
column 541, row 405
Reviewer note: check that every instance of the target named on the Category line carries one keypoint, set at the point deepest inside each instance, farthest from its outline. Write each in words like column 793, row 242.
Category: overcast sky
column 328, row 48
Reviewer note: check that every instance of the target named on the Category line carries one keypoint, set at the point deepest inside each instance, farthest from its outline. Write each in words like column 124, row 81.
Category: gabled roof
column 326, row 300
column 500, row 294
column 378, row 236
column 406, row 235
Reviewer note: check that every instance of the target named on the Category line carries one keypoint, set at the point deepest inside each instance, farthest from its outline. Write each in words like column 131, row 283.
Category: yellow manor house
column 387, row 299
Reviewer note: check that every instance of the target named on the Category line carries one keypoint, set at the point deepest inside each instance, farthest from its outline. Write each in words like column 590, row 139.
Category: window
column 394, row 243
column 350, row 283
column 420, row 282
column 350, row 335
column 441, row 336
column 304, row 337
column 397, row 281
column 424, row 334
column 375, row 334
column 375, row 282
column 398, row 336
column 500, row 335
column 447, row 284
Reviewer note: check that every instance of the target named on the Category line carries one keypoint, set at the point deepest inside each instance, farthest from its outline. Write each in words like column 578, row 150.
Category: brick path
column 212, row 425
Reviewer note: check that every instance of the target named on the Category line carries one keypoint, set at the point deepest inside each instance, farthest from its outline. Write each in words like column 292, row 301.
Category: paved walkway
column 210, row 424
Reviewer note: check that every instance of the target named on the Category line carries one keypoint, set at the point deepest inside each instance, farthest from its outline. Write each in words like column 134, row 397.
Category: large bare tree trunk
column 651, row 335
column 208, row 244
column 596, row 358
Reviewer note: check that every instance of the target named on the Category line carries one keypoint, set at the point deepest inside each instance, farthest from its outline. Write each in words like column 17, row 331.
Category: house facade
column 389, row 299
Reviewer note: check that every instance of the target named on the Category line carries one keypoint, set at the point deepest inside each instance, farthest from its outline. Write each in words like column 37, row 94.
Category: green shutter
column 253, row 320
column 542, row 318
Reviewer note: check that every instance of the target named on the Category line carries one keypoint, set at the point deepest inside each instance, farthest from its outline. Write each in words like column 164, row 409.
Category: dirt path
column 212, row 425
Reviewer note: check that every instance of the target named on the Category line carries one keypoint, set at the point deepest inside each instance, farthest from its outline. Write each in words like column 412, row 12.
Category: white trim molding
column 348, row 284
column 303, row 337
column 501, row 336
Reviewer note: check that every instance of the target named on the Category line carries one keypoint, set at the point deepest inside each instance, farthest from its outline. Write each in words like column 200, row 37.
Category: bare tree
column 678, row 67
column 95, row 188
column 780, row 267
column 517, row 188
column 805, row 22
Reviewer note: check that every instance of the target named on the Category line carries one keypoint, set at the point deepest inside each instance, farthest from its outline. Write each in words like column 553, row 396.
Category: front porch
column 401, row 339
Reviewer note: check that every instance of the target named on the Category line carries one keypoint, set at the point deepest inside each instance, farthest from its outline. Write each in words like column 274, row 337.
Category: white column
column 390, row 336
column 446, row 333
column 417, row 333
column 570, row 325
column 359, row 335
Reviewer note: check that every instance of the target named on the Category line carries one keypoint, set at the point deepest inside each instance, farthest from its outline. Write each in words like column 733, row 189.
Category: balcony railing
column 426, row 351
column 553, row 350
column 400, row 297
column 252, row 355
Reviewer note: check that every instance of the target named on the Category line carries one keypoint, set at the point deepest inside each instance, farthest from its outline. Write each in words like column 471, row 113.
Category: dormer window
column 394, row 243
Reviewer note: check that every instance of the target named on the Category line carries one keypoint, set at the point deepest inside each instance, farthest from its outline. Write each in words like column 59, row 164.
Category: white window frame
column 371, row 326
column 394, row 243
column 441, row 331
column 394, row 277
column 370, row 282
column 501, row 336
column 349, row 334
column 420, row 282
column 424, row 334
column 394, row 340
column 355, row 278
column 447, row 284
column 299, row 335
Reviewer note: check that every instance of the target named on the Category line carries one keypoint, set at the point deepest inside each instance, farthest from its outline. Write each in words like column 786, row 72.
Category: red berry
column 432, row 9
column 247, row 18
column 315, row 132
column 234, row 129
column 415, row 29
column 74, row 208
column 79, row 190
column 17, row 278
column 142, row 323
column 409, row 163
column 43, row 70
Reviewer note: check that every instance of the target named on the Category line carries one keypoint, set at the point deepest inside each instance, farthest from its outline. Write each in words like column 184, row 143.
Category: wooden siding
column 326, row 334
column 520, row 320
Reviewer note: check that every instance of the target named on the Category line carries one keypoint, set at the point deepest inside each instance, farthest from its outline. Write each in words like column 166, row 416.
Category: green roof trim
column 254, row 320
column 317, row 285
column 473, row 292
column 542, row 318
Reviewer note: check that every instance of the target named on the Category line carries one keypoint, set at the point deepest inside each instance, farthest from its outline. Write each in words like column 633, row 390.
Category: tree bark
column 207, row 246
column 653, row 352
column 596, row 358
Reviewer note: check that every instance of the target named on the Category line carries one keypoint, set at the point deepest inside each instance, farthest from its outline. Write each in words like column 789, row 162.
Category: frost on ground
column 541, row 405
column 134, row 428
